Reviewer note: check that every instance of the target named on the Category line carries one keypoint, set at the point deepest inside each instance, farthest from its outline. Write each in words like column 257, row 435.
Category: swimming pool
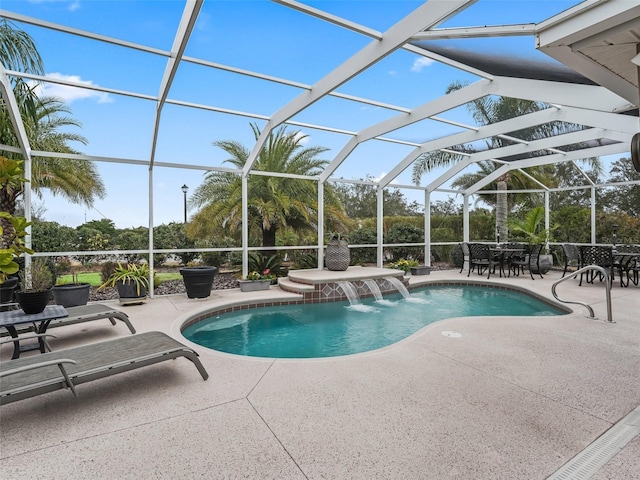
column 338, row 328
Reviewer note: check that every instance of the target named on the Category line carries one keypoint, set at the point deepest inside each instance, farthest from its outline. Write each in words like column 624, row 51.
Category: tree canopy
column 274, row 202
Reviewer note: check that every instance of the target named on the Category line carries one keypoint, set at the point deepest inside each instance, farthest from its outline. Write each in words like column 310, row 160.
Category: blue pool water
column 336, row 328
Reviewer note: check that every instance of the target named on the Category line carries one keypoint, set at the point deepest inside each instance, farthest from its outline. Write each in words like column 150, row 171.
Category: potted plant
column 531, row 229
column 337, row 256
column 404, row 265
column 131, row 280
column 255, row 281
column 198, row 280
column 35, row 287
column 70, row 294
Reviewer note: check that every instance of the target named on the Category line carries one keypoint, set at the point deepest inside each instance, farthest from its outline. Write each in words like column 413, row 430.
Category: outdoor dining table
column 12, row 319
column 499, row 253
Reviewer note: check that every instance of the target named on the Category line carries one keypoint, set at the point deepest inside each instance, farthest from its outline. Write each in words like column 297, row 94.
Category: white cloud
column 380, row 177
column 68, row 93
column 300, row 136
column 72, row 7
column 420, row 63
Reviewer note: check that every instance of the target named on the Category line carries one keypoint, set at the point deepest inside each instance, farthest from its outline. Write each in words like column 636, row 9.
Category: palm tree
column 485, row 111
column 273, row 202
column 44, row 120
column 18, row 52
column 77, row 180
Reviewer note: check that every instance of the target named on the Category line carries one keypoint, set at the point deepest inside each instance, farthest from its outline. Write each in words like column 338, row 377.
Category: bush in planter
column 71, row 294
column 261, row 263
column 35, row 287
column 257, row 281
column 131, row 280
column 404, row 265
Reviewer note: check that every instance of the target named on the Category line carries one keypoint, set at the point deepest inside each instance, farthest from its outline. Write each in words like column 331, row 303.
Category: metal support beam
column 425, row 16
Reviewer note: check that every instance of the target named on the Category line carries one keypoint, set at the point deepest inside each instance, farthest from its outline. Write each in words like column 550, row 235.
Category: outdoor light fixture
column 185, row 189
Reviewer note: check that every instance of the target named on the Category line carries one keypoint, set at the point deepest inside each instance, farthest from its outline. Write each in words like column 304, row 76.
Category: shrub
column 106, row 270
column 261, row 263
column 304, row 260
column 364, row 235
column 405, row 233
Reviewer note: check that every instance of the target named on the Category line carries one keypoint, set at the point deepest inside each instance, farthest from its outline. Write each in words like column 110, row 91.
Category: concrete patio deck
column 512, row 398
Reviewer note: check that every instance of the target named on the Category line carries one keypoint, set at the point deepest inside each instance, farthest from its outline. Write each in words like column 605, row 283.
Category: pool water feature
column 339, row 328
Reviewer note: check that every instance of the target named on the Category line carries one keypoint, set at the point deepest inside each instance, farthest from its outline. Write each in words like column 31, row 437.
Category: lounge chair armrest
column 26, row 337
column 26, row 368
column 46, row 363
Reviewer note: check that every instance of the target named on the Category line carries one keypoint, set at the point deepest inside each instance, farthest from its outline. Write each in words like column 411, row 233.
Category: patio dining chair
column 627, row 265
column 478, row 257
column 598, row 255
column 530, row 261
column 571, row 257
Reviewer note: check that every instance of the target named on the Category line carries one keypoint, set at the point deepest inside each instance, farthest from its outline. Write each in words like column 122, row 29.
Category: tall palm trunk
column 502, row 207
column 269, row 239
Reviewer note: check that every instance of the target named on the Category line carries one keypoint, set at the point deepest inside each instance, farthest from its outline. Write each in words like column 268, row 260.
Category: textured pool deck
column 510, row 398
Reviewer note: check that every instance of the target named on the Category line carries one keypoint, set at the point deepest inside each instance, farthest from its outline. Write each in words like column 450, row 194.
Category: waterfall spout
column 350, row 291
column 399, row 286
column 373, row 288
column 403, row 290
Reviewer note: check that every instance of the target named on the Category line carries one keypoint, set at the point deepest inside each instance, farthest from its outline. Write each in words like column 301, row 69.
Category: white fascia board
column 547, row 160
column 585, row 96
column 439, row 105
column 596, row 72
column 513, row 124
column 427, row 15
column 477, row 32
column 585, row 22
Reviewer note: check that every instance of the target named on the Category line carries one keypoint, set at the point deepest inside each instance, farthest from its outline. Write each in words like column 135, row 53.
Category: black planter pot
column 198, row 280
column 72, row 295
column 128, row 292
column 33, row 302
column 6, row 291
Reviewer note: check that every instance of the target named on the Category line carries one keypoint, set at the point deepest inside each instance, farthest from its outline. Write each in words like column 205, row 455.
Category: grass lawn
column 95, row 280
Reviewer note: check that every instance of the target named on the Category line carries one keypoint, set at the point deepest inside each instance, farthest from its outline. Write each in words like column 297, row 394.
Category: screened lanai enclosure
column 401, row 95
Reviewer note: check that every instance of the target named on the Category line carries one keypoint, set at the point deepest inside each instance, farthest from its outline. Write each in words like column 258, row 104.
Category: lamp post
column 185, row 189
column 614, row 238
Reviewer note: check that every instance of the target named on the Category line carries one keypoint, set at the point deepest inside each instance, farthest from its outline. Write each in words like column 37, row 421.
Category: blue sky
column 260, row 36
